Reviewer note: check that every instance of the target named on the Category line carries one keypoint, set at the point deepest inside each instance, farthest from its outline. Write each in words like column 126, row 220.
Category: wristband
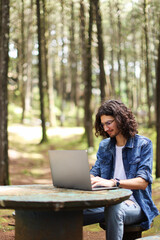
column 117, row 182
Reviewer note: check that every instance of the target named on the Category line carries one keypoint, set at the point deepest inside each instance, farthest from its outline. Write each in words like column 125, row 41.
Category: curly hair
column 123, row 117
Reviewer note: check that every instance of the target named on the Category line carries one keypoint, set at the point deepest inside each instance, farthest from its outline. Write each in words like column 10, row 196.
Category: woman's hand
column 98, row 181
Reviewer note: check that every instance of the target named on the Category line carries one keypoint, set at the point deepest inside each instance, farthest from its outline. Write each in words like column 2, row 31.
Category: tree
column 158, row 115
column 119, row 54
column 88, row 81
column 102, row 76
column 4, row 40
column 87, row 70
column 112, row 52
column 62, row 83
column 44, row 135
column 28, row 92
column 147, row 63
column 73, row 60
column 22, row 62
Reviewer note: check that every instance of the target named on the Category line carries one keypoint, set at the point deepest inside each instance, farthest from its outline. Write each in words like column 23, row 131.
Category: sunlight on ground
column 24, row 137
column 30, row 133
column 65, row 132
column 16, row 154
column 27, row 132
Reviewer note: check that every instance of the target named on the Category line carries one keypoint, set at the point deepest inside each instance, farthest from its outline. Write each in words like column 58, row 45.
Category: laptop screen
column 70, row 169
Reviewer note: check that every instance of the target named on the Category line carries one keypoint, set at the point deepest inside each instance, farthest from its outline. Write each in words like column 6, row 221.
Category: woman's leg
column 118, row 215
column 94, row 215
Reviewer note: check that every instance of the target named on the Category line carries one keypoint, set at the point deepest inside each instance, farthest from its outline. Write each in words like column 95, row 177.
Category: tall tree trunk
column 62, row 82
column 44, row 44
column 126, row 75
column 142, row 101
column 112, row 37
column 135, row 83
column 4, row 40
column 119, row 56
column 73, row 58
column 83, row 38
column 102, row 76
column 45, row 52
column 48, row 81
column 51, row 77
column 44, row 136
column 154, row 37
column 158, row 115
column 28, row 94
column 88, row 82
column 147, row 64
column 87, row 71
column 22, row 62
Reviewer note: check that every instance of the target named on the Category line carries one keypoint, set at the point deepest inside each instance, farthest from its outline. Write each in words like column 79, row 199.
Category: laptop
column 70, row 169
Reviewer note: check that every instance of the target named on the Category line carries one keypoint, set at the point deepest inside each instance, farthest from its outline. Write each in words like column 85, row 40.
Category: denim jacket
column 137, row 159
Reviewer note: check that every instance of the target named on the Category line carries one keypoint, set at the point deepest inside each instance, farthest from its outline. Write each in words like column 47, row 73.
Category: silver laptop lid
column 70, row 169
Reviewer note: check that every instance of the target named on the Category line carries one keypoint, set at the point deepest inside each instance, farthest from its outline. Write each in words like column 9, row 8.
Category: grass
column 5, row 219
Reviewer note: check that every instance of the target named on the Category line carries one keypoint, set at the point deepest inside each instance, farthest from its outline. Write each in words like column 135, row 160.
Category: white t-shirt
column 119, row 171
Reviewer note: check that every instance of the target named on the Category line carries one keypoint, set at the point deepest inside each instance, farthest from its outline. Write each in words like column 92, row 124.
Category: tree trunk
column 45, row 53
column 83, row 38
column 22, row 63
column 147, row 64
column 73, row 58
column 47, row 74
column 87, row 71
column 158, row 115
column 88, row 82
column 135, row 85
column 142, row 100
column 51, row 77
column 112, row 37
column 119, row 47
column 28, row 95
column 62, row 82
column 4, row 40
column 126, row 75
column 102, row 76
column 44, row 136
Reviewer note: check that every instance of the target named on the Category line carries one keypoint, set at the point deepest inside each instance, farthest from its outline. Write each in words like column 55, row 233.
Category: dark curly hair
column 123, row 117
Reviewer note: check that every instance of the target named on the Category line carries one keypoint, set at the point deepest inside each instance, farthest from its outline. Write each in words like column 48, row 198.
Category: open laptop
column 70, row 169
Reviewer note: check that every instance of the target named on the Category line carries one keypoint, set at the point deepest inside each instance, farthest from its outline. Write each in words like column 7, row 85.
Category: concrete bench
column 131, row 232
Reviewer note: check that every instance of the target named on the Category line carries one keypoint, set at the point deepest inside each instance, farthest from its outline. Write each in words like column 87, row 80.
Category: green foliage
column 15, row 113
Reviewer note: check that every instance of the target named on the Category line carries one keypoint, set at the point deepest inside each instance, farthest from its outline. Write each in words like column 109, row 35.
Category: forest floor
column 28, row 164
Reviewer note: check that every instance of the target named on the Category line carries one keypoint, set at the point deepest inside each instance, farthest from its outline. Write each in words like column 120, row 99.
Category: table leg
column 48, row 225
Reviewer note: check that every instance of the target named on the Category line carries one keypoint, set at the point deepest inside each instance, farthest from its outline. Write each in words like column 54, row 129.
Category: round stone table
column 47, row 213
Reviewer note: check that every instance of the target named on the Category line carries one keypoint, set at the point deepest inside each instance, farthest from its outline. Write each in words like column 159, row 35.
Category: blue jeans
column 115, row 217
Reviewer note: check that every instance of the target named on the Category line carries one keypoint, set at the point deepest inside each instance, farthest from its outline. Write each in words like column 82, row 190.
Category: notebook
column 70, row 169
